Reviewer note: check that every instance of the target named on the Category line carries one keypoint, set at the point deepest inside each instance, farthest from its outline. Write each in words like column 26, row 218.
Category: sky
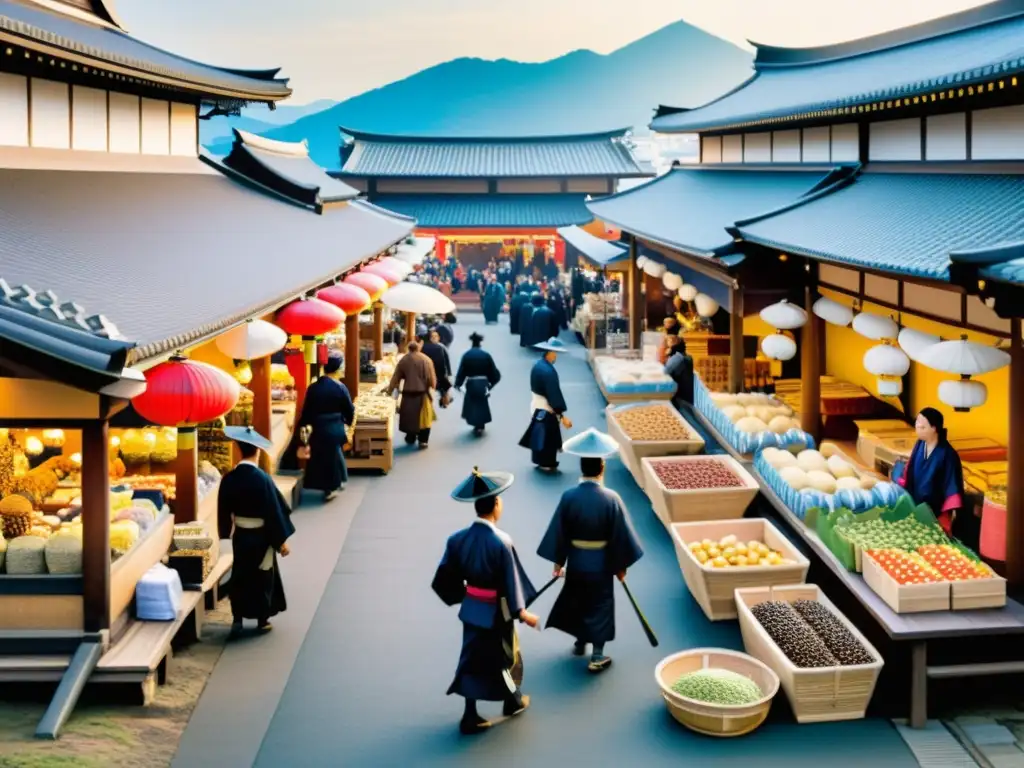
column 340, row 48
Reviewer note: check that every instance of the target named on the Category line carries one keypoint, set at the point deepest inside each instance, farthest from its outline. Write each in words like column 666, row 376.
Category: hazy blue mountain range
column 582, row 91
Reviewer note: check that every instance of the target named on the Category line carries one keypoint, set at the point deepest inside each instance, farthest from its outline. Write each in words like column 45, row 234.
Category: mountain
column 582, row 91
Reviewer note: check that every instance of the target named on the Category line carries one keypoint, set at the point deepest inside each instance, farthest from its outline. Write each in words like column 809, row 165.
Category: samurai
column 252, row 512
column 327, row 409
column 526, row 316
column 591, row 541
column 493, row 300
column 481, row 572
column 547, row 409
column 520, row 297
column 480, row 375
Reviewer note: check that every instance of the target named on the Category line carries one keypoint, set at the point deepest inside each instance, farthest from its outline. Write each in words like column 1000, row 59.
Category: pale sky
column 340, row 48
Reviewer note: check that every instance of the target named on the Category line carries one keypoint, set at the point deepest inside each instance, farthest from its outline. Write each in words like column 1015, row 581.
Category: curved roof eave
column 368, row 136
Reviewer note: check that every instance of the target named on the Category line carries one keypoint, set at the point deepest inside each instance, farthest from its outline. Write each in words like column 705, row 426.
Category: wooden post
column 262, row 407
column 635, row 324
column 378, row 331
column 186, row 477
column 813, row 339
column 410, row 326
column 736, row 370
column 1015, row 461
column 352, row 355
column 96, row 526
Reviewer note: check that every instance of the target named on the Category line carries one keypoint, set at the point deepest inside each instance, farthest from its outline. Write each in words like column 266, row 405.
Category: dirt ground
column 102, row 733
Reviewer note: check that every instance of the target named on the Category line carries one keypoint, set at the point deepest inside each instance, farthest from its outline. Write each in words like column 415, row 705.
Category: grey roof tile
column 594, row 248
column 480, row 211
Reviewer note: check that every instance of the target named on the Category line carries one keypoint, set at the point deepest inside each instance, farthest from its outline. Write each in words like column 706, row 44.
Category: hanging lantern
column 875, row 327
column 914, row 343
column 963, row 395
column 688, row 292
column 890, row 364
column 833, row 312
column 784, row 316
column 350, row 299
column 964, row 358
column 389, row 275
column 640, row 261
column 671, row 281
column 309, row 317
column 372, row 284
column 778, row 347
column 706, row 306
column 252, row 340
column 182, row 392
column 396, row 265
column 889, row 387
column 654, row 269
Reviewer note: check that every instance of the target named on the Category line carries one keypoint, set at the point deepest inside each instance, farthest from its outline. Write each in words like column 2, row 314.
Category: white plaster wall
column 183, row 129
column 156, row 127
column 13, row 110
column 124, row 123
column 88, row 119
column 946, row 137
column 997, row 134
column 895, row 140
column 732, row 149
column 786, row 147
column 817, row 147
column 711, row 149
column 757, row 148
column 845, row 143
column 51, row 114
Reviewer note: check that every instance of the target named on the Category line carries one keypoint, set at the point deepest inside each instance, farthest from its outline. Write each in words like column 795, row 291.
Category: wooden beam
column 410, row 328
column 634, row 298
column 378, row 331
column 736, row 372
column 1015, row 461
column 352, row 354
column 96, row 526
column 262, row 407
column 812, row 343
column 186, row 477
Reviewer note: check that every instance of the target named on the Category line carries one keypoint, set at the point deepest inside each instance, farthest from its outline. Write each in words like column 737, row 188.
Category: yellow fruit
column 707, row 543
column 714, row 551
column 728, row 541
column 733, row 560
column 695, row 546
column 741, row 549
column 702, row 556
column 753, row 560
column 729, row 552
column 753, row 545
column 762, row 550
column 720, row 562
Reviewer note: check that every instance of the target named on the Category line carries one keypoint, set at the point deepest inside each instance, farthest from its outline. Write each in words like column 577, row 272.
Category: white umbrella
column 963, row 357
column 414, row 297
column 252, row 339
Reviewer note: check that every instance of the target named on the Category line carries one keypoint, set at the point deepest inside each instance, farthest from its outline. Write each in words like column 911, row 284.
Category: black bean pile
column 793, row 635
column 837, row 638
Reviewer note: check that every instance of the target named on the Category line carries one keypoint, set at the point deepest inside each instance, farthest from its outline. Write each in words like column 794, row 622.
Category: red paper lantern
column 309, row 317
column 182, row 392
column 384, row 271
column 374, row 285
column 350, row 299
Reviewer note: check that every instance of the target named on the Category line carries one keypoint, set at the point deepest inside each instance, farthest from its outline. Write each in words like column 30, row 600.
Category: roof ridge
column 46, row 306
column 824, row 188
column 371, row 136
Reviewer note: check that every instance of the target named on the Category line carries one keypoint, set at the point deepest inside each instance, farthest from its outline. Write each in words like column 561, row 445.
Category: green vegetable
column 718, row 686
column 906, row 534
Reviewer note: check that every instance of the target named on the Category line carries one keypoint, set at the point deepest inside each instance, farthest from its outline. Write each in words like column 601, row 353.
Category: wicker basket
column 699, row 504
column 634, row 450
column 714, row 588
column 716, row 719
column 818, row 695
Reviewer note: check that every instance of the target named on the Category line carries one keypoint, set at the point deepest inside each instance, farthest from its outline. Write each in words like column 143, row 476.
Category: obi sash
column 480, row 607
column 539, row 403
column 252, row 524
column 477, row 386
column 587, row 556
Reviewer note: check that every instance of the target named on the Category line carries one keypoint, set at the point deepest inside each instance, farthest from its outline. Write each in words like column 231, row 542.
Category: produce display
column 623, row 376
column 26, row 556
column 214, row 446
column 718, row 686
column 282, row 383
column 242, row 414
column 652, row 422
column 794, row 636
column 63, row 554
column 730, row 552
column 750, row 421
column 756, row 412
column 834, row 634
column 695, row 474
column 953, row 564
column 907, row 534
column 929, row 564
column 16, row 515
column 373, row 406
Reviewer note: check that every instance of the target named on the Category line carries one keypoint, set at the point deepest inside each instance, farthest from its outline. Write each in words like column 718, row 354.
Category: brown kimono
column 416, row 370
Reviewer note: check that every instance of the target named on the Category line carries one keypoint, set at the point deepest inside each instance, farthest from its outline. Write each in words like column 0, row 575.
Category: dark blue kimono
column 481, row 570
column 526, row 320
column 556, row 303
column 543, row 325
column 936, row 480
column 442, row 365
column 480, row 375
column 493, row 301
column 515, row 309
column 592, row 536
column 544, row 435
column 327, row 409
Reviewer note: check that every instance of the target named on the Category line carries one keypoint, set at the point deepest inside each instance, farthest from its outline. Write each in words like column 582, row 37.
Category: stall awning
column 601, row 252
column 688, row 209
column 414, row 250
column 490, row 211
column 172, row 259
column 904, row 223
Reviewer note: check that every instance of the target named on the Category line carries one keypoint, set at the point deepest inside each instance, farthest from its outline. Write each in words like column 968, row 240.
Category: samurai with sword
column 481, row 571
column 591, row 541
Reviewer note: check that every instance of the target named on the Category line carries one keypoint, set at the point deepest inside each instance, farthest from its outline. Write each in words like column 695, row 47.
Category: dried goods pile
column 809, row 634
column 718, row 686
column 755, row 412
column 930, row 564
column 652, row 422
column 906, row 534
column 729, row 552
column 372, row 406
column 694, row 474
column 834, row 634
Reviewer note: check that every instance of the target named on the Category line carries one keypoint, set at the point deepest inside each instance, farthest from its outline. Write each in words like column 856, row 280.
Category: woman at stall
column 679, row 366
column 933, row 475
column 327, row 409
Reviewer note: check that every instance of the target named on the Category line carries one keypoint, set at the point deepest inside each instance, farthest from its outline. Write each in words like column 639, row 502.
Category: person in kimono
column 327, row 409
column 591, row 541
column 415, row 375
column 679, row 366
column 435, row 350
column 556, row 303
column 934, row 475
column 252, row 513
column 515, row 307
column 547, row 409
column 526, row 310
column 481, row 572
column 480, row 375
column 494, row 300
column 543, row 322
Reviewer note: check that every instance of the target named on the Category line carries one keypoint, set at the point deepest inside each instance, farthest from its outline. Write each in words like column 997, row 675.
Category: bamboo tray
column 714, row 588
column 634, row 450
column 817, row 695
column 965, row 595
column 620, row 398
column 699, row 504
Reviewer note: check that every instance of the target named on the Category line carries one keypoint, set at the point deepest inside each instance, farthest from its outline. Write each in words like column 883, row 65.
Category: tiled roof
column 1003, row 262
column 384, row 156
column 286, row 168
column 688, row 209
column 594, row 248
column 174, row 258
column 905, row 223
column 948, row 53
column 488, row 211
column 37, row 28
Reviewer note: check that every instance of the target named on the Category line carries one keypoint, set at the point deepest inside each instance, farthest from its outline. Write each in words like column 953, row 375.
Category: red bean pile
column 690, row 475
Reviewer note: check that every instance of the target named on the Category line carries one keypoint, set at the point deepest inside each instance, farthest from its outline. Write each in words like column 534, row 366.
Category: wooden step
column 145, row 644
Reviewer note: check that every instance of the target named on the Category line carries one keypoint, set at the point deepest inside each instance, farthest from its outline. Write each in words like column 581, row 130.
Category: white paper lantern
column 889, row 387
column 784, row 316
column 833, row 312
column 688, row 292
column 885, row 360
column 671, row 281
column 706, row 306
column 964, row 358
column 875, row 327
column 640, row 261
column 963, row 395
column 252, row 340
column 778, row 347
column 914, row 343
column 653, row 268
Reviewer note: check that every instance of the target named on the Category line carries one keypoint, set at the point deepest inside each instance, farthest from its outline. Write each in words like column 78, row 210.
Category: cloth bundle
column 158, row 594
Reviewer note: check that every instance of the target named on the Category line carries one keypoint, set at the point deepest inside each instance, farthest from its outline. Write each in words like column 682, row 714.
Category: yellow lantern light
column 33, row 446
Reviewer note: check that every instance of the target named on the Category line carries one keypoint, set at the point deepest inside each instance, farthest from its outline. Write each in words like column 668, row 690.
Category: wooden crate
column 632, row 451
column 906, row 598
column 978, row 593
column 822, row 694
column 702, row 504
column 714, row 588
column 621, row 398
column 373, row 446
